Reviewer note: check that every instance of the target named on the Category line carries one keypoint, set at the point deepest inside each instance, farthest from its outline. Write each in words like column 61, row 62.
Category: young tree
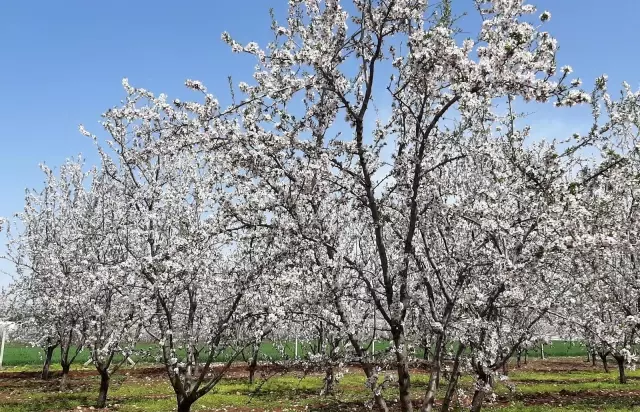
column 607, row 293
column 50, row 262
column 31, row 327
column 113, row 311
column 188, row 227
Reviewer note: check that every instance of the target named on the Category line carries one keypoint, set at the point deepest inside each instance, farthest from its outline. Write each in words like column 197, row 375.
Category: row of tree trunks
column 329, row 381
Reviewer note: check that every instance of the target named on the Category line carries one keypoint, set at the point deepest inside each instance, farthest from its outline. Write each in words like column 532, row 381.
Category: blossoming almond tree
column 113, row 309
column 607, row 293
column 188, row 231
column 90, row 303
column 491, row 252
column 31, row 324
column 603, row 304
column 50, row 262
column 368, row 180
column 320, row 80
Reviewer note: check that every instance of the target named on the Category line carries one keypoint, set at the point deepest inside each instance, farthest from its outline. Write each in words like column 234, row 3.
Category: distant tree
column 191, row 237
column 50, row 264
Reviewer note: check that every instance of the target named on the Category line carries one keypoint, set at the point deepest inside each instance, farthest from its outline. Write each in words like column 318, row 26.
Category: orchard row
column 374, row 180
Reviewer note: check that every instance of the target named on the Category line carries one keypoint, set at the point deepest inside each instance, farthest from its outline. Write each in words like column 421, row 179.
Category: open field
column 555, row 384
column 19, row 354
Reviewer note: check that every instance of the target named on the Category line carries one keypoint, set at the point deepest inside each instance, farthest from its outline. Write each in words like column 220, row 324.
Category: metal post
column 373, row 340
column 4, row 337
column 296, row 350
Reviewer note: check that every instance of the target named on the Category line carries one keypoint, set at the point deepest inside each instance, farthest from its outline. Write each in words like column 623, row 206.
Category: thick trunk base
column 47, row 363
column 184, row 405
column 404, row 385
column 485, row 381
column 478, row 400
column 621, row 371
column 64, row 380
column 378, row 400
column 104, row 389
column 329, row 381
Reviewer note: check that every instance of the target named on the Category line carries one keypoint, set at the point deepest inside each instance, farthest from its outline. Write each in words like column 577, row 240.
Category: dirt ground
column 19, row 384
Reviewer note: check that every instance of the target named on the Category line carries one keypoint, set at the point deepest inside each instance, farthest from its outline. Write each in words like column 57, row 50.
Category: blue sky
column 62, row 64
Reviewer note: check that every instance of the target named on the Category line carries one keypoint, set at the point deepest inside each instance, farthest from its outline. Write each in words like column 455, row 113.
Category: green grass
column 541, row 386
column 561, row 348
column 155, row 395
column 559, row 384
column 536, row 391
column 17, row 354
column 21, row 355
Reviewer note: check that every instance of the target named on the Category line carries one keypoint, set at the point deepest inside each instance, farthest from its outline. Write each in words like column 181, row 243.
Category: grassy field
column 562, row 382
column 19, row 354
column 555, row 384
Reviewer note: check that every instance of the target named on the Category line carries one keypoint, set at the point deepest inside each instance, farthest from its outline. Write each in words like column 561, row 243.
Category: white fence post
column 4, row 337
column 373, row 339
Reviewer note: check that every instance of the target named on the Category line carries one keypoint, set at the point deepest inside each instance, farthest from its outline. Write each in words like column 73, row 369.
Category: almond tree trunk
column 434, row 377
column 184, row 405
column 329, row 381
column 425, row 354
column 402, row 368
column 505, row 368
column 253, row 365
column 404, row 383
column 320, row 339
column 104, row 388
column 377, row 397
column 453, row 382
column 47, row 362
column 621, row 371
column 64, row 381
column 605, row 365
column 484, row 380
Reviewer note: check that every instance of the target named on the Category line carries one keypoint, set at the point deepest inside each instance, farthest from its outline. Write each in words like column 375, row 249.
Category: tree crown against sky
column 48, row 50
column 376, row 164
